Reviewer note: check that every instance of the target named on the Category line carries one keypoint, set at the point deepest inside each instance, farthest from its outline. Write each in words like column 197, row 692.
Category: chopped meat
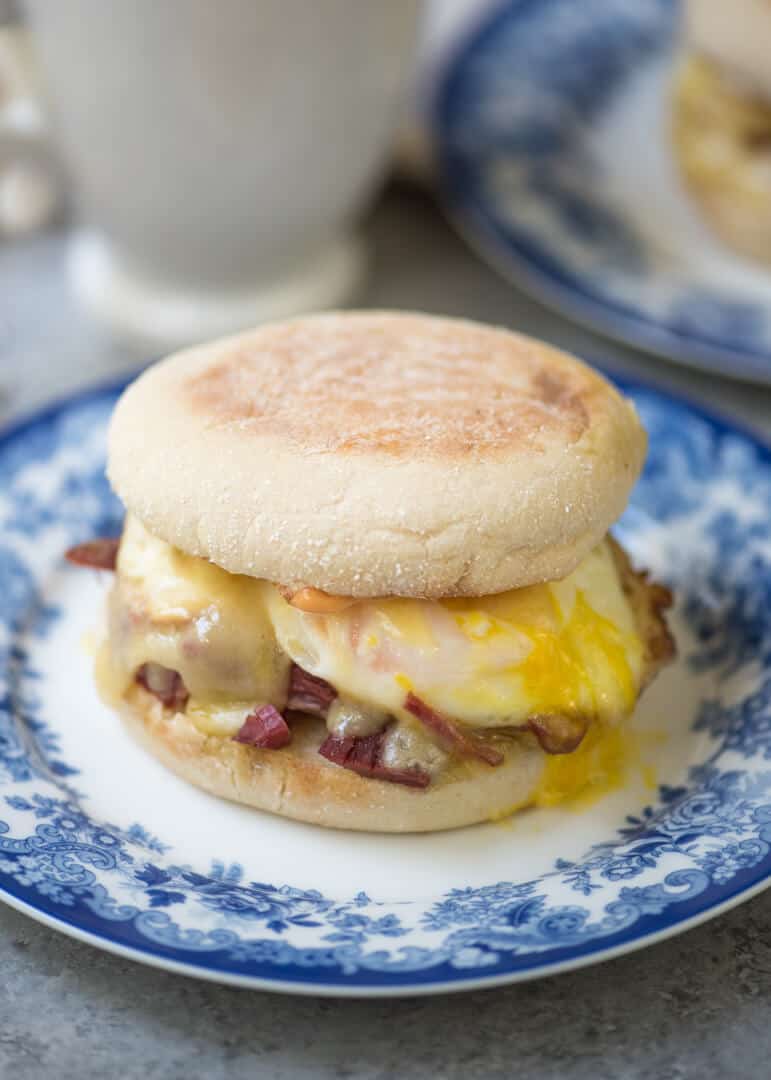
column 649, row 601
column 364, row 756
column 316, row 602
column 308, row 693
column 557, row 733
column 450, row 733
column 266, row 728
column 661, row 644
column 101, row 554
column 165, row 684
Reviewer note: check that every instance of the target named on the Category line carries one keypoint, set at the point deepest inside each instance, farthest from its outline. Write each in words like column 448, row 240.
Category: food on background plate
column 722, row 119
column 365, row 578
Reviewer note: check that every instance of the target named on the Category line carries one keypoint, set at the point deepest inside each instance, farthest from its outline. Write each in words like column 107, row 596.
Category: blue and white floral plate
column 551, row 123
column 99, row 841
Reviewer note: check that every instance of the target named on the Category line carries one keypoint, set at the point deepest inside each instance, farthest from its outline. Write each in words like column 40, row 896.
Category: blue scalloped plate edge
column 744, row 885
column 453, row 983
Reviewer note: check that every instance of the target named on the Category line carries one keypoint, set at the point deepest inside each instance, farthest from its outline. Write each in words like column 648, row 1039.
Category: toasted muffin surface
column 378, row 454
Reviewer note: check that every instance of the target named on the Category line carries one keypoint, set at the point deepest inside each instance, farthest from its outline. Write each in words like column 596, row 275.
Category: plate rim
column 590, row 954
column 518, row 262
column 601, row 955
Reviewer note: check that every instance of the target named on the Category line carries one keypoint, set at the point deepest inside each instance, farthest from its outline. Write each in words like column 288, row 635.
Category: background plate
column 100, row 841
column 552, row 129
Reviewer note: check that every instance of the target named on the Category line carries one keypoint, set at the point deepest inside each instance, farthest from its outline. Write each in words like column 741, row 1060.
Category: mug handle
column 29, row 175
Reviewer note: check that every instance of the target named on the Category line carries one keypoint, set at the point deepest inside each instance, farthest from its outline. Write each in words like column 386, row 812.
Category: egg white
column 489, row 661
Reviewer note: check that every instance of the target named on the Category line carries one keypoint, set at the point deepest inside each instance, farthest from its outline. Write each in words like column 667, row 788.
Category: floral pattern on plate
column 700, row 515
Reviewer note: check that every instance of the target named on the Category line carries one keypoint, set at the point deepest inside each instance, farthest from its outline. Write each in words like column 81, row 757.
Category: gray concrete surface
column 695, row 1006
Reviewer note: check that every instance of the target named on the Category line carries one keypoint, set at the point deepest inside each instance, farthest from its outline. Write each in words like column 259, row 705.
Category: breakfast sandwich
column 365, row 578
column 722, row 119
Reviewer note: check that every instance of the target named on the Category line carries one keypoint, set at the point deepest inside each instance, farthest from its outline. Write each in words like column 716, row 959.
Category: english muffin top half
column 378, row 454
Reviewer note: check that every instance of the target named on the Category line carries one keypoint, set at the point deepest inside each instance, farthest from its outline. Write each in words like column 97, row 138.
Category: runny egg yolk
column 568, row 646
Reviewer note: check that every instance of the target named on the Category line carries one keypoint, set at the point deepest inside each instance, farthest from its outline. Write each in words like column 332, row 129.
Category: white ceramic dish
column 551, row 125
column 99, row 841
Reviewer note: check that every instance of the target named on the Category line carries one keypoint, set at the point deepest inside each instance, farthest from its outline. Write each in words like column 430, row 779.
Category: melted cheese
column 568, row 646
column 189, row 615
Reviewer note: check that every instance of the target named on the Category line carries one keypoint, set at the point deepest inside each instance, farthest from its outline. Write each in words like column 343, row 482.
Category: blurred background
column 598, row 175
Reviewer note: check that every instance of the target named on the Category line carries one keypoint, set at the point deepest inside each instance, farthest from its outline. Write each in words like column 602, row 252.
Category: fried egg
column 569, row 646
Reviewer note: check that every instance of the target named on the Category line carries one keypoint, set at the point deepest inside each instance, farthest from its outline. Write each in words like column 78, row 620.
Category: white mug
column 220, row 152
